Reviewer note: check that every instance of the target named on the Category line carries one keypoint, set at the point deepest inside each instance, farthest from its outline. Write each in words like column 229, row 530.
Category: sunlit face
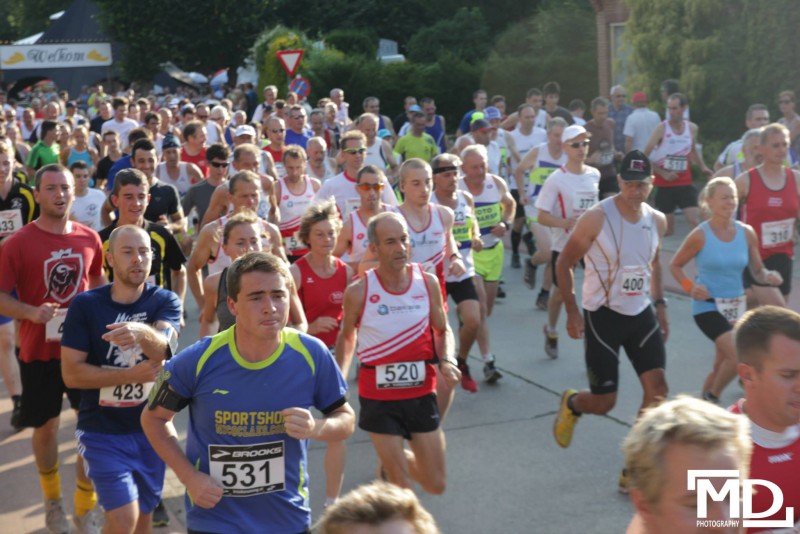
column 368, row 127
column 373, row 106
column 723, row 201
column 247, row 162
column 354, row 153
column 199, row 137
column 474, row 167
column 446, row 182
column 120, row 112
column 369, row 189
column 145, row 161
column 315, row 152
column 295, row 168
column 416, row 186
column 577, row 154
column 131, row 202
column 776, row 148
column 527, row 118
column 262, row 306
column 676, row 508
column 774, row 391
column 322, row 237
column 758, row 118
column 276, row 131
column 600, row 114
column 392, row 246
column 317, row 122
column 243, row 238
column 130, row 258
column 634, row 192
column 81, row 177
column 675, row 109
column 6, row 166
column 246, row 195
column 55, row 194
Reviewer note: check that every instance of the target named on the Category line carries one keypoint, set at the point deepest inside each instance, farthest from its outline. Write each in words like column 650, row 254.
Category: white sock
column 487, row 357
column 329, row 501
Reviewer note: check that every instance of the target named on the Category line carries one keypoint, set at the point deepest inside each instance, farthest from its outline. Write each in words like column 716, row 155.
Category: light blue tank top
column 720, row 266
column 79, row 156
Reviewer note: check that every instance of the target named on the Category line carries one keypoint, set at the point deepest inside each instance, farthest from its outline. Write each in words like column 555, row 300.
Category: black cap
column 635, row 166
column 480, row 124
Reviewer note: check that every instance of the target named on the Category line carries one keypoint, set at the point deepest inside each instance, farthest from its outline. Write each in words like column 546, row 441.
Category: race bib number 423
column 245, row 470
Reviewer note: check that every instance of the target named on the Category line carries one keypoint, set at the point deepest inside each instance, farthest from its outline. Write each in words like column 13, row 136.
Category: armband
column 165, row 397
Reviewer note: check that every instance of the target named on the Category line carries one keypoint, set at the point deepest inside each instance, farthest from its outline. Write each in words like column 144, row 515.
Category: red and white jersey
column 428, row 244
column 220, row 260
column 776, row 457
column 772, row 214
column 673, row 154
column 395, row 328
column 358, row 241
column 342, row 189
column 291, row 208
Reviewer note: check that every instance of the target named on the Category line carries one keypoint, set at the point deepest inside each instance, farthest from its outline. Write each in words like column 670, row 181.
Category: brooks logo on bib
column 245, row 470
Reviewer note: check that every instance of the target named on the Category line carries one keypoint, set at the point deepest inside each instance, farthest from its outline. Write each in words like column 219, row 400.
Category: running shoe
column 500, row 293
column 91, row 522
column 490, row 372
column 529, row 278
column 55, row 520
column 16, row 413
column 565, row 421
column 710, row 397
column 467, row 382
column 160, row 515
column 542, row 299
column 622, row 484
column 550, row 343
column 515, row 263
column 529, row 244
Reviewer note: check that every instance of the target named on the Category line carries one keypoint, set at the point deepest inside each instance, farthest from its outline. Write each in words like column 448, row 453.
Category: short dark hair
column 242, row 176
column 680, row 97
column 316, row 213
column 142, row 144
column 129, row 177
column 497, row 98
column 191, row 128
column 150, row 116
column 47, row 127
column 369, row 169
column 754, row 332
column 137, row 134
column 218, row 151
column 262, row 262
column 119, row 101
column 53, row 167
column 533, row 92
column 80, row 164
column 577, row 103
column 551, row 88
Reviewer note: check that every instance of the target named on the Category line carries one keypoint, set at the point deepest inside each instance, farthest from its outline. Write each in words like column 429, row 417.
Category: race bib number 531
column 245, row 470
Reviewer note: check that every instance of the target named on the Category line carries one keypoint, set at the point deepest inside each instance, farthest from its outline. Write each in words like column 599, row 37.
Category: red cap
column 639, row 96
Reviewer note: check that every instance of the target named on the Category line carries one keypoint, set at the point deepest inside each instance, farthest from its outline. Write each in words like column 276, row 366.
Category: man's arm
column 523, row 168
column 457, row 267
column 346, row 343
column 276, row 242
column 208, row 313
column 153, row 340
column 443, row 340
column 11, row 307
column 179, row 283
column 336, row 426
column 656, row 282
column 511, row 121
column 695, row 155
column 217, row 206
column 197, row 260
column 628, row 143
column 345, row 238
column 81, row 375
column 97, row 280
column 585, row 232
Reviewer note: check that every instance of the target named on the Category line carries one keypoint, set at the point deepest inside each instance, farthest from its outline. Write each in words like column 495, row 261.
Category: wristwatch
column 505, row 224
column 660, row 301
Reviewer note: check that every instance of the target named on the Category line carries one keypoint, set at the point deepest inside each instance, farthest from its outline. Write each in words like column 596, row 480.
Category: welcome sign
column 55, row 56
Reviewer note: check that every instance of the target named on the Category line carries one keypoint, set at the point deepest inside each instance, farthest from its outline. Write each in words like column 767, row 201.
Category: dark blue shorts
column 123, row 468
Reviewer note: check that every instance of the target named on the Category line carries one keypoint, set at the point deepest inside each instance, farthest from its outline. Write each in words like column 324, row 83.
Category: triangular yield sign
column 290, row 59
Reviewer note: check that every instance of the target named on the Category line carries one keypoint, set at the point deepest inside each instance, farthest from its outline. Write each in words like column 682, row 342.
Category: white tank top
column 292, row 207
column 330, row 172
column 395, row 327
column 488, row 209
column 428, row 244
column 525, row 143
column 463, row 216
column 221, row 258
column 673, row 144
column 619, row 262
column 374, row 155
column 182, row 184
column 358, row 241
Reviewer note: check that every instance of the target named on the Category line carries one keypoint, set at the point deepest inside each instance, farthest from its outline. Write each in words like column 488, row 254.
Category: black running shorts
column 43, row 392
column 399, row 418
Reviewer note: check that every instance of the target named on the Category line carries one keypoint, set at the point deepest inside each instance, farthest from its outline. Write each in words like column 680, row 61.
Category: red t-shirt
column 323, row 296
column 199, row 160
column 45, row 267
column 772, row 214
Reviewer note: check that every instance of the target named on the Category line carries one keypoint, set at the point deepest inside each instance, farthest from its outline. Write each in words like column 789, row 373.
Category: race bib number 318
column 245, row 470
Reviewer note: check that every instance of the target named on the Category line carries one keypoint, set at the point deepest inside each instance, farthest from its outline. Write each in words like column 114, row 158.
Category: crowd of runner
column 307, row 236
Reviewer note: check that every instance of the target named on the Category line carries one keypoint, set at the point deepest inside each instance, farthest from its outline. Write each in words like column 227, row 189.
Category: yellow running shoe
column 565, row 421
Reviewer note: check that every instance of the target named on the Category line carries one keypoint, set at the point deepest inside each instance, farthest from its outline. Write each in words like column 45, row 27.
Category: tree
column 208, row 36
column 20, row 18
column 465, row 36
column 725, row 54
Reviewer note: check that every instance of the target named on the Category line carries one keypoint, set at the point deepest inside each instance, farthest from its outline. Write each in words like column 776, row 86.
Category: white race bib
column 291, row 243
column 55, row 326
column 634, row 280
column 676, row 163
column 125, row 395
column 400, row 375
column 583, row 201
column 732, row 309
column 776, row 233
column 351, row 205
column 10, row 222
column 245, row 470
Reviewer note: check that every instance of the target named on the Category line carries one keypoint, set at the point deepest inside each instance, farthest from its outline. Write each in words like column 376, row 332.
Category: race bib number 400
column 245, row 470
column 400, row 375
column 634, row 280
column 776, row 233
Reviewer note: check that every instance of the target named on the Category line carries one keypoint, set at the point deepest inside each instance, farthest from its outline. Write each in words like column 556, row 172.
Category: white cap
column 573, row 131
column 245, row 129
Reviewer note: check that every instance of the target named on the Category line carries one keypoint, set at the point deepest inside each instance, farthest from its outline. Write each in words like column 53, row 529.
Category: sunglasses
column 367, row 187
column 202, row 117
column 279, row 130
column 218, row 164
column 579, row 144
column 355, row 151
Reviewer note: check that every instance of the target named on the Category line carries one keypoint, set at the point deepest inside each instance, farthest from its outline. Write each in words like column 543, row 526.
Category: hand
column 450, row 373
column 125, row 335
column 524, row 199
column 162, row 220
column 774, row 278
column 699, row 292
column 43, row 313
column 322, row 325
column 299, row 423
column 708, row 172
column 499, row 230
column 456, row 268
column 575, row 324
column 570, row 223
column 204, row 491
column 477, row 244
column 661, row 315
column 669, row 176
column 145, row 371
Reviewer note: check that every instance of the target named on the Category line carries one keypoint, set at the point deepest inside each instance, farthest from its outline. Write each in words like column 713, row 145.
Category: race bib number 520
column 245, row 470
column 400, row 375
